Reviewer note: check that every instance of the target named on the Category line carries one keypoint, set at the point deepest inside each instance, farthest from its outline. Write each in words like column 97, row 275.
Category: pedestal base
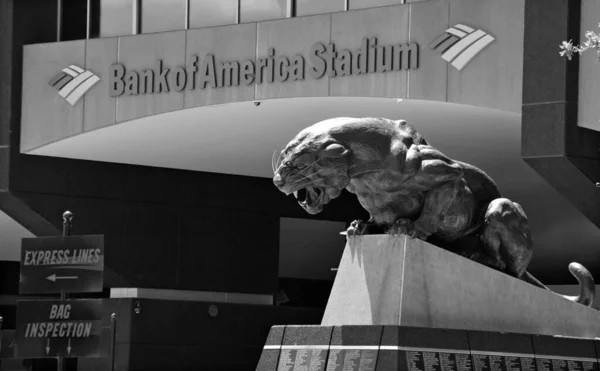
column 399, row 348
column 387, row 280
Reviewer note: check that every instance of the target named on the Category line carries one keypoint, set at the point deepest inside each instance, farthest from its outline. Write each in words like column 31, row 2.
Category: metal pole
column 113, row 335
column 187, row 15
column 1, row 333
column 88, row 21
column 59, row 10
column 67, row 223
column 135, row 22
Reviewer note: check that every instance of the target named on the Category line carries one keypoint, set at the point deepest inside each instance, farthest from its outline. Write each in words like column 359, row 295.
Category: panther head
column 314, row 168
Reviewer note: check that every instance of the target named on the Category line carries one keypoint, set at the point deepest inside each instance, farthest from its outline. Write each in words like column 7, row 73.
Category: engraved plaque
column 302, row 360
column 352, row 359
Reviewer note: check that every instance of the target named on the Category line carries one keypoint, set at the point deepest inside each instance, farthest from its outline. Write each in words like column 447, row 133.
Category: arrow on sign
column 69, row 347
column 54, row 277
column 47, row 346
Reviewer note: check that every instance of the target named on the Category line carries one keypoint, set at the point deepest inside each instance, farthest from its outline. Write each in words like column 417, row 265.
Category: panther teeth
column 296, row 194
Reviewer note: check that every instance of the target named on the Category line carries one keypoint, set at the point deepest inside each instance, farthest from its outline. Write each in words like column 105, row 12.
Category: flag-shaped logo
column 73, row 82
column 459, row 44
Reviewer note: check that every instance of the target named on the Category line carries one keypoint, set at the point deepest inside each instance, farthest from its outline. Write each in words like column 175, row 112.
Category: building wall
column 556, row 141
column 177, row 229
column 164, row 228
column 589, row 84
column 198, row 231
column 492, row 79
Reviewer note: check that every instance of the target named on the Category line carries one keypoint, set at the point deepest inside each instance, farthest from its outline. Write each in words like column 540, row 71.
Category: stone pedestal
column 387, row 280
column 402, row 304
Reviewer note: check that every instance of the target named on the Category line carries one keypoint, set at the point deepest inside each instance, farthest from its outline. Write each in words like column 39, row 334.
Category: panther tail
column 587, row 287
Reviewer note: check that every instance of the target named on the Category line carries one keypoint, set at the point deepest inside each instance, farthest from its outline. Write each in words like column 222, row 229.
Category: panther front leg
column 506, row 238
column 405, row 226
column 447, row 211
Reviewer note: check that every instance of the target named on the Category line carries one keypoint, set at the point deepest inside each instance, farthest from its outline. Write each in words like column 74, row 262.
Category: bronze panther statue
column 409, row 187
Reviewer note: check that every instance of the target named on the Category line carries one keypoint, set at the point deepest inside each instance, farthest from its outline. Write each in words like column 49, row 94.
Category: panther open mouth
column 310, row 198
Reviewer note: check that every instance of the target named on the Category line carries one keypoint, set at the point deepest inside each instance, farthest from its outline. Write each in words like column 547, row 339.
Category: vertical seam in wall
column 595, row 348
column 448, row 64
column 178, row 241
column 408, row 42
column 379, row 343
column 124, row 226
column 533, row 344
column 282, row 340
column 185, row 41
column 85, row 67
column 330, row 41
column 118, row 61
column 469, row 341
column 402, row 282
column 255, row 54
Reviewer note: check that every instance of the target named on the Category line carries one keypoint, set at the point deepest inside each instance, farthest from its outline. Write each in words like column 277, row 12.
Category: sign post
column 58, row 265
column 62, row 328
column 67, row 223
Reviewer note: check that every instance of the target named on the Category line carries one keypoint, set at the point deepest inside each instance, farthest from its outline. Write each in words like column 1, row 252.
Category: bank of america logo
column 459, row 44
column 73, row 82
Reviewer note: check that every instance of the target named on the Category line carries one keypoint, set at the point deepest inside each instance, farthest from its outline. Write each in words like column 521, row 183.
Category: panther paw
column 420, row 232
column 402, row 226
column 357, row 228
column 409, row 228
